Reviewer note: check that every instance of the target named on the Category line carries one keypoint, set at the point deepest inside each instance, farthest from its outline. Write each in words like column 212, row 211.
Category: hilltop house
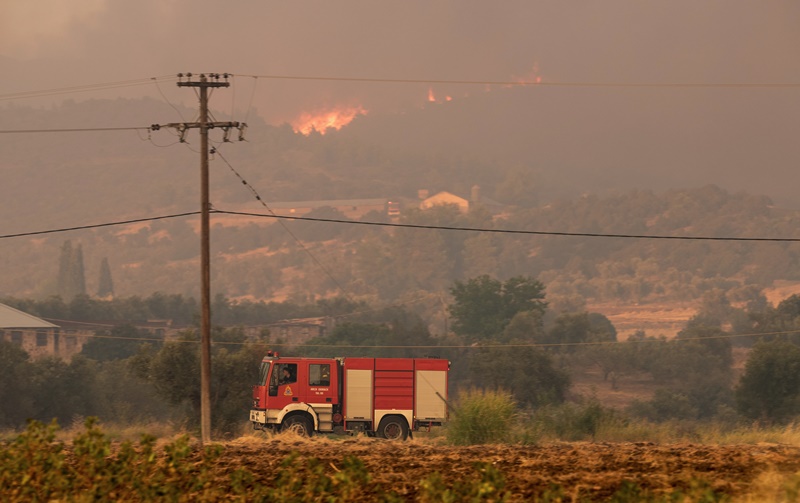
column 444, row 197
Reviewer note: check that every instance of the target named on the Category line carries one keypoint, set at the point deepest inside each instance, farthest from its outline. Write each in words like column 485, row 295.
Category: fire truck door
column 286, row 385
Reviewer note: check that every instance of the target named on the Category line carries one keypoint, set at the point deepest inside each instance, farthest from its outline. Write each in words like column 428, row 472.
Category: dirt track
column 592, row 471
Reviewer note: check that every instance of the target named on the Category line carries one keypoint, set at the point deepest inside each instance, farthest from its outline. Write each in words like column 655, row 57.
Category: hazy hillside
column 61, row 180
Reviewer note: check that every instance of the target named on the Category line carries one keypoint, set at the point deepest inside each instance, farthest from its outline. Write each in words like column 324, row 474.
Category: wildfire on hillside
column 432, row 97
column 323, row 119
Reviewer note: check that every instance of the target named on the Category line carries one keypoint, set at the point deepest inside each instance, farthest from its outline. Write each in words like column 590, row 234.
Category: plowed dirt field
column 584, row 471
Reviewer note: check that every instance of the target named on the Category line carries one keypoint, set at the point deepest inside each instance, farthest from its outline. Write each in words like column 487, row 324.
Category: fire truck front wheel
column 393, row 428
column 301, row 425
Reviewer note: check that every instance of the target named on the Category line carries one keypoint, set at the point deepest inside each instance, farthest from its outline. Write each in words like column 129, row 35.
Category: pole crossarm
column 195, row 125
column 206, row 80
column 182, row 127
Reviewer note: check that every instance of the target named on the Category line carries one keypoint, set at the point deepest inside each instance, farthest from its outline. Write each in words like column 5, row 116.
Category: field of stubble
column 580, row 471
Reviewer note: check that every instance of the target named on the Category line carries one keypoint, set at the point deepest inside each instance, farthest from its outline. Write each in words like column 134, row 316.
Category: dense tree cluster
column 503, row 338
column 122, row 384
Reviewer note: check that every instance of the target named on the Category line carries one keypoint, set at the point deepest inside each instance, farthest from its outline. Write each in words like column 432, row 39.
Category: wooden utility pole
column 205, row 82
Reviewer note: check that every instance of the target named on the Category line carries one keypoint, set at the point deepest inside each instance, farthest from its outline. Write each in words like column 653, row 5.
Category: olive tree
column 769, row 389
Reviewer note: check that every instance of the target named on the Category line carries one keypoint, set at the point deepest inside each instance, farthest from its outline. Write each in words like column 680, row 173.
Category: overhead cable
column 152, row 127
column 96, row 226
column 411, row 226
column 508, row 83
column 83, row 88
column 541, row 83
column 73, row 130
column 511, row 231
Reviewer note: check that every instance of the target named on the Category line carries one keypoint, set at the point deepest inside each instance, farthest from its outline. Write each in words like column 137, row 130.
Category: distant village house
column 36, row 336
column 464, row 204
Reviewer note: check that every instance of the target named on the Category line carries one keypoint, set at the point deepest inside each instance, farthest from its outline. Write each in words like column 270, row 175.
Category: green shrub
column 482, row 417
column 489, row 487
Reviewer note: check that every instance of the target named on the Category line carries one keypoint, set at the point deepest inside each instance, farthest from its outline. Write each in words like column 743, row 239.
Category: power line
column 73, row 130
column 511, row 83
column 252, row 95
column 152, row 127
column 411, row 226
column 84, row 88
column 510, row 231
column 180, row 114
column 540, row 83
column 96, row 226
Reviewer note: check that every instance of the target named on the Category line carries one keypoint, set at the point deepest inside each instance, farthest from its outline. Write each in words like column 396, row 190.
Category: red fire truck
column 387, row 397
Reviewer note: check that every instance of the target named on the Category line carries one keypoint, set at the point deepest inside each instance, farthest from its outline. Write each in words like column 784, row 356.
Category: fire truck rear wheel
column 393, row 428
column 298, row 424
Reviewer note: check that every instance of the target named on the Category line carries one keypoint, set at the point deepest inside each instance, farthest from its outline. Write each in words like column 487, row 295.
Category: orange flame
column 432, row 97
column 324, row 119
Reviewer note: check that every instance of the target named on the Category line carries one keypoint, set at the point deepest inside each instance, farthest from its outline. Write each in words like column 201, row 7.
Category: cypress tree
column 77, row 273
column 71, row 277
column 64, row 264
column 105, row 287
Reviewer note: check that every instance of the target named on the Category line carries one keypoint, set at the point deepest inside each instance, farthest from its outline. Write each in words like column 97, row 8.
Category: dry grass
column 706, row 434
column 772, row 486
column 252, row 437
column 164, row 431
column 784, row 435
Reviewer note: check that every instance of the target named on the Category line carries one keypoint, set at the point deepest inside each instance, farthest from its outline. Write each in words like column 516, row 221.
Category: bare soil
column 655, row 319
column 584, row 471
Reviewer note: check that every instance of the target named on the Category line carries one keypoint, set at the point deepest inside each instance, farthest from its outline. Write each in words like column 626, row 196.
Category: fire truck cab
column 387, row 397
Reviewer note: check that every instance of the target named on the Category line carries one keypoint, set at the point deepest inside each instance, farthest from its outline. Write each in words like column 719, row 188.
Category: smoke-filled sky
column 53, row 43
column 47, row 44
